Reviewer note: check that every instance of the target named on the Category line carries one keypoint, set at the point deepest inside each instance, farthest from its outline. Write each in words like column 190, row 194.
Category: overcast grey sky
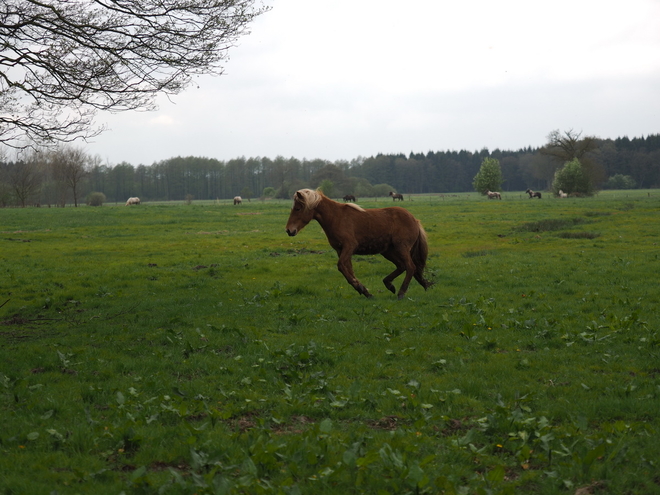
column 338, row 79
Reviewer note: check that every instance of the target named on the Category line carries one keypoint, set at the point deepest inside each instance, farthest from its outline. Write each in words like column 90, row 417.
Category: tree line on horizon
column 68, row 175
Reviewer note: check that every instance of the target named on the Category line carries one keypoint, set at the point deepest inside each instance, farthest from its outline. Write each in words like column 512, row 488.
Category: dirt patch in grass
column 16, row 320
column 389, row 423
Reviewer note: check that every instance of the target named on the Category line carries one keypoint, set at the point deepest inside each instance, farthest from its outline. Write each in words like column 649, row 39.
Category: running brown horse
column 350, row 229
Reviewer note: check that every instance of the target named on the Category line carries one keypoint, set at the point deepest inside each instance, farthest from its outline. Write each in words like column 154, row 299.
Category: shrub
column 572, row 179
column 620, row 181
column 382, row 190
column 95, row 199
column 363, row 189
column 246, row 192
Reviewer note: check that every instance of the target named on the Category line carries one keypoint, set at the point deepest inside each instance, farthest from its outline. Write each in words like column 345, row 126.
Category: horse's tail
column 419, row 253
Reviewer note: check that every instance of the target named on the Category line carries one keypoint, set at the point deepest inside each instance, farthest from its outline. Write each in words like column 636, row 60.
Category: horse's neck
column 325, row 213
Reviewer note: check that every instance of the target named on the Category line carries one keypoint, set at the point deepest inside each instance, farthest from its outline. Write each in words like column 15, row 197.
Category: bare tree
column 24, row 177
column 70, row 166
column 5, row 192
column 565, row 147
column 63, row 60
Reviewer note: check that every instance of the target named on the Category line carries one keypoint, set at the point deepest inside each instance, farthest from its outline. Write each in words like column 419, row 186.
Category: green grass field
column 198, row 349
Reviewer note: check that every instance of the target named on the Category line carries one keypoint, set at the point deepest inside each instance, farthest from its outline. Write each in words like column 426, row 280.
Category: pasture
column 197, row 348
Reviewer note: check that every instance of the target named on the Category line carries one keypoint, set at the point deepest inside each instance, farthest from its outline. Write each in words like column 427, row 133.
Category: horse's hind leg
column 422, row 281
column 390, row 278
column 403, row 264
column 410, row 271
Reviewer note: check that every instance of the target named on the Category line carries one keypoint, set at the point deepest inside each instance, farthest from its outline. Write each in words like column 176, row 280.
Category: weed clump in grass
column 578, row 235
column 551, row 224
column 597, row 213
column 478, row 253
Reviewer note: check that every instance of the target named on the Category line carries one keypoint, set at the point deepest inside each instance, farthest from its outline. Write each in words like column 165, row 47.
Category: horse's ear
column 299, row 197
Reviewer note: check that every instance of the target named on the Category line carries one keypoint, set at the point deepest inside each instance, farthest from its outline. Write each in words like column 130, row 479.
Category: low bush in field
column 95, row 199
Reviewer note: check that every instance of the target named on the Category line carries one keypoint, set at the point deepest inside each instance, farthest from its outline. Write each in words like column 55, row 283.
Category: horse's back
column 378, row 229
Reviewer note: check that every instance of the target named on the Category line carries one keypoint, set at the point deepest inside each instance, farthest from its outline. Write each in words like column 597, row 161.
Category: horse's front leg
column 345, row 266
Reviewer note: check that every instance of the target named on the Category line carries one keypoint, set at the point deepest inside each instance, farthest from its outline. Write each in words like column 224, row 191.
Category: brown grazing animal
column 393, row 232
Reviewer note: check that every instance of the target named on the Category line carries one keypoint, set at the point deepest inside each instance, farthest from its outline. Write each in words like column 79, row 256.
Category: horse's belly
column 373, row 247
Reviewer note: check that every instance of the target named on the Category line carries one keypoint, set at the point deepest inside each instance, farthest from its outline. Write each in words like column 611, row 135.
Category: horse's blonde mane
column 311, row 199
column 353, row 205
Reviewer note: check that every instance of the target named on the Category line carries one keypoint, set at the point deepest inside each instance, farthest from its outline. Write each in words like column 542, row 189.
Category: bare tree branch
column 63, row 60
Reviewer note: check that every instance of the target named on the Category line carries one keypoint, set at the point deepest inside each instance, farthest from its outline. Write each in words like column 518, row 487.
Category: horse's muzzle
column 292, row 232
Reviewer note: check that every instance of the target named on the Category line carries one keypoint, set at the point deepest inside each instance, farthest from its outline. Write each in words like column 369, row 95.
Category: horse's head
column 304, row 202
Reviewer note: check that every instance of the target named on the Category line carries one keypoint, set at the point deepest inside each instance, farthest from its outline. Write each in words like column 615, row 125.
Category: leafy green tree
column 269, row 192
column 327, row 187
column 572, row 178
column 363, row 189
column 489, row 177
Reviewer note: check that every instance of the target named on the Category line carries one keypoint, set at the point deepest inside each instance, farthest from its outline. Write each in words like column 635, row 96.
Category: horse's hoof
column 401, row 296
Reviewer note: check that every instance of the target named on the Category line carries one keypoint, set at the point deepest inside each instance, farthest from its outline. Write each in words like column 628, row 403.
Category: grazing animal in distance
column 238, row 200
column 562, row 194
column 349, row 197
column 133, row 201
column 533, row 194
column 396, row 196
column 393, row 232
column 493, row 195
